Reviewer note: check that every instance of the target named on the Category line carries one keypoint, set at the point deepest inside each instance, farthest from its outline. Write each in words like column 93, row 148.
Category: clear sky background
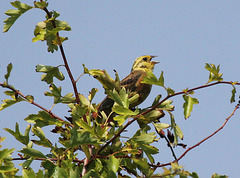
column 111, row 35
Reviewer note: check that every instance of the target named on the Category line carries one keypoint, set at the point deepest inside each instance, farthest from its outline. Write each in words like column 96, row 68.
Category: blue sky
column 110, row 35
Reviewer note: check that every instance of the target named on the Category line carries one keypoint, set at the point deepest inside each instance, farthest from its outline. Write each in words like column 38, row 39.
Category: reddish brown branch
column 42, row 159
column 34, row 103
column 189, row 90
column 192, row 147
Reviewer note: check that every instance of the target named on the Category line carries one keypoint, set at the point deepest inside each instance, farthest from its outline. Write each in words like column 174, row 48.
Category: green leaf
column 24, row 139
column 233, row 94
column 149, row 151
column 188, row 105
column 9, row 69
column 179, row 132
column 43, row 119
column 214, row 72
column 15, row 14
column 33, row 153
column 143, row 166
column 92, row 94
column 43, row 140
column 81, row 123
column 6, row 169
column 152, row 79
column 161, row 126
column 30, row 98
column 113, row 164
column 170, row 91
column 50, row 73
column 28, row 173
column 156, row 100
column 166, row 105
column 46, row 31
column 120, row 119
column 59, row 172
column 8, row 102
column 81, row 137
column 116, row 97
column 41, row 4
column 215, row 175
column 27, row 163
column 5, row 153
column 144, row 138
column 124, row 111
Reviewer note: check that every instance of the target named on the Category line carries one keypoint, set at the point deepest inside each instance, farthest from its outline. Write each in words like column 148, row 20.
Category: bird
column 132, row 84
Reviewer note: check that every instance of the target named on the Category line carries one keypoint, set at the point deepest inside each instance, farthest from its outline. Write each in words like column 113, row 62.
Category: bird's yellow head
column 144, row 63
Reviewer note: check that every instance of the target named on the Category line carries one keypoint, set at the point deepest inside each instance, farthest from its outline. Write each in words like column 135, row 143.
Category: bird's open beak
column 154, row 62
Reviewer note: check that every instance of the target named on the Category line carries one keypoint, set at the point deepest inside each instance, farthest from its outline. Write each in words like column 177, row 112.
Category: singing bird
column 132, row 83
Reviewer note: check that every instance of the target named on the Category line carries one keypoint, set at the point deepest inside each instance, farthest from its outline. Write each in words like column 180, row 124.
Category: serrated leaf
column 124, row 111
column 41, row 4
column 188, row 105
column 113, row 164
column 233, row 94
column 170, row 91
column 8, row 102
column 24, row 139
column 43, row 119
column 5, row 153
column 149, row 151
column 59, row 172
column 9, row 69
column 143, row 165
column 50, row 73
column 27, row 163
column 214, row 72
column 6, row 169
column 156, row 100
column 81, row 137
column 43, row 140
column 116, row 97
column 160, row 126
column 33, row 153
column 144, row 138
column 179, row 132
column 92, row 94
column 81, row 123
column 120, row 119
column 15, row 14
column 68, row 98
column 152, row 79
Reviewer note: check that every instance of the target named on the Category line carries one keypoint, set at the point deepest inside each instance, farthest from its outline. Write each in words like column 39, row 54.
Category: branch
column 64, row 59
column 189, row 90
column 42, row 159
column 34, row 103
column 192, row 147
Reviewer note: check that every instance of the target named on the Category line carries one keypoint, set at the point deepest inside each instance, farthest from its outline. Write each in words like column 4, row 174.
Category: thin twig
column 189, row 90
column 64, row 59
column 197, row 144
column 34, row 103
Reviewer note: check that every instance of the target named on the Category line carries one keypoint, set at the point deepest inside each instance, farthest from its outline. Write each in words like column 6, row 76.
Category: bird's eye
column 145, row 59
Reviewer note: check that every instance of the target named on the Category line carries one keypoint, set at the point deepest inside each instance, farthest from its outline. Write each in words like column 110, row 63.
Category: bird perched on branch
column 132, row 83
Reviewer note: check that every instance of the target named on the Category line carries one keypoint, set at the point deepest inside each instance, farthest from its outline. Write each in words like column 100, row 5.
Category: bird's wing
column 130, row 82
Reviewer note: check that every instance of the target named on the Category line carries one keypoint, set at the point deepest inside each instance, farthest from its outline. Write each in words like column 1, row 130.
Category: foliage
column 106, row 153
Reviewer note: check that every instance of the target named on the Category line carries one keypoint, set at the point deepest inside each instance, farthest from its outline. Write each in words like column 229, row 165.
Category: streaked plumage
column 133, row 83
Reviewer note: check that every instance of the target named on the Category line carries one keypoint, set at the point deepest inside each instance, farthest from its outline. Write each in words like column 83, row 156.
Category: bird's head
column 144, row 63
